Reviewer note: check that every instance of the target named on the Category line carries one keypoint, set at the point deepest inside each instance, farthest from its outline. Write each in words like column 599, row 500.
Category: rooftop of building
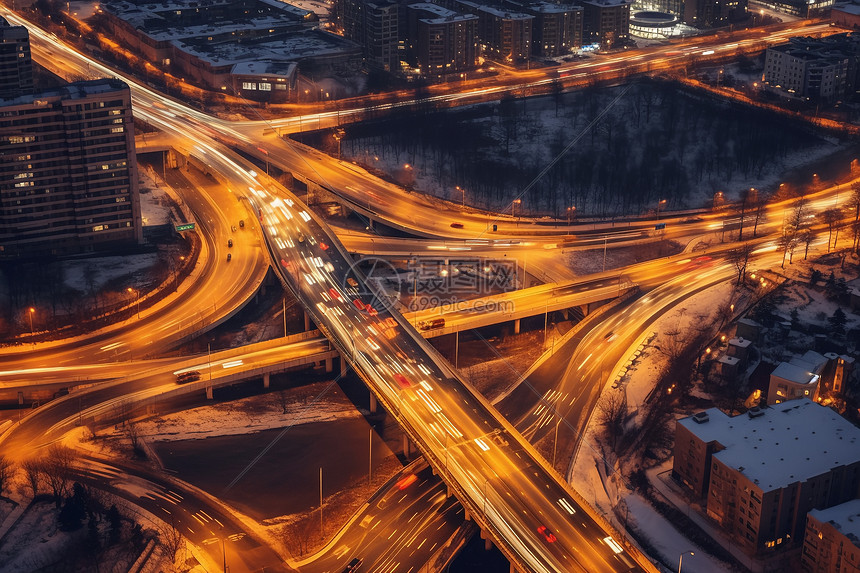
column 274, row 69
column 506, row 14
column 794, row 373
column 607, row 3
column 545, row 8
column 783, row 444
column 152, row 18
column 844, row 517
column 729, row 360
column 76, row 90
column 292, row 47
column 740, row 342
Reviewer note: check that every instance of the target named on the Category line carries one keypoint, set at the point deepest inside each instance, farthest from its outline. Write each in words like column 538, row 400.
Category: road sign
column 185, row 227
column 659, row 226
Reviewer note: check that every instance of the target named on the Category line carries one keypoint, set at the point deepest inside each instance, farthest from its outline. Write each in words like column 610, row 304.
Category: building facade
column 68, row 171
column 761, row 472
column 713, row 13
column 556, row 29
column 442, row 41
column 831, row 543
column 813, row 69
column 16, row 71
column 606, row 22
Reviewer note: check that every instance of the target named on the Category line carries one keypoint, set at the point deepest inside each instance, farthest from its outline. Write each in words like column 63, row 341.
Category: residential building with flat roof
column 68, row 171
column 764, row 470
column 831, row 543
column 16, row 71
column 606, row 22
column 442, row 41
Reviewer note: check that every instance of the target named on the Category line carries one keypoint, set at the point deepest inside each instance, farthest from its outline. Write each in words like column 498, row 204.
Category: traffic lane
column 175, row 505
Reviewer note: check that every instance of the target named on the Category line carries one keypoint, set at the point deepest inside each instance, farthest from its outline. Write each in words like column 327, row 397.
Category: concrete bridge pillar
column 307, row 321
column 328, row 365
column 584, row 309
column 406, row 447
column 517, row 326
column 266, row 379
column 209, row 392
column 488, row 542
column 342, row 366
column 373, row 407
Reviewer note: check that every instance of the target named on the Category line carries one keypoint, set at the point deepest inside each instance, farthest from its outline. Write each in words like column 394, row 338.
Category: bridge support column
column 20, row 398
column 488, row 542
column 373, row 406
column 209, row 392
column 584, row 309
column 328, row 365
column 342, row 366
column 307, row 321
column 266, row 377
column 517, row 326
column 406, row 445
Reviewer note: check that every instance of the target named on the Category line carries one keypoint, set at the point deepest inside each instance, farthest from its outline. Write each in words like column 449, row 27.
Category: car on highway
column 242, row 223
column 457, row 225
column 402, row 381
column 229, row 256
column 351, row 282
column 548, row 535
column 233, row 228
column 229, row 242
column 358, row 304
column 189, row 376
column 352, row 565
column 334, row 294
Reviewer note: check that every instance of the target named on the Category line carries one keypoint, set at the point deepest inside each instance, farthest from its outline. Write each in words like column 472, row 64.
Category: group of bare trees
column 655, row 142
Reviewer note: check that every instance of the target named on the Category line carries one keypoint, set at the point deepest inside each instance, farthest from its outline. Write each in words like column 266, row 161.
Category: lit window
column 265, row 87
column 249, row 86
column 117, row 129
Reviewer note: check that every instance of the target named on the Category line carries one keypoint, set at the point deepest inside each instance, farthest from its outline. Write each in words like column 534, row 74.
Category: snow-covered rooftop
column 795, row 373
column 848, row 8
column 729, row 360
column 284, row 69
column 507, row 15
column 788, row 443
column 77, row 90
column 845, row 517
column 740, row 342
column 607, row 3
column 554, row 8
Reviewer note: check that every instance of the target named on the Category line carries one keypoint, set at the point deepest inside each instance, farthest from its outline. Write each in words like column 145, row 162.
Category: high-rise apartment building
column 606, row 22
column 16, row 71
column 445, row 42
column 68, row 173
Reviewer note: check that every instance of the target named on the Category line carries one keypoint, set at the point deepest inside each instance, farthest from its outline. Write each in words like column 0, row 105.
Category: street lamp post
column 30, row 313
column 463, row 191
column 515, row 202
column 660, row 204
column 570, row 211
column 137, row 292
column 681, row 559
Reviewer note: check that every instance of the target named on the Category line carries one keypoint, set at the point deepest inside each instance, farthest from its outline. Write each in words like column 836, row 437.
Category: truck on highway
column 431, row 324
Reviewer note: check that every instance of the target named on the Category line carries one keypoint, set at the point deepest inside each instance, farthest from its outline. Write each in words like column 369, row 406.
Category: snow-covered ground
column 611, row 495
column 248, row 415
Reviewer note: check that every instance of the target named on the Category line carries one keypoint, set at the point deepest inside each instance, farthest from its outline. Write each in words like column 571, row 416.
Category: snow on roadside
column 249, row 415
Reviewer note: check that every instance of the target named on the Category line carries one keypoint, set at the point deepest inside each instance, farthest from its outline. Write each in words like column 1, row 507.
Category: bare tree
column 831, row 217
column 171, row 539
column 740, row 256
column 57, row 470
column 806, row 237
column 7, row 472
column 33, row 478
column 611, row 410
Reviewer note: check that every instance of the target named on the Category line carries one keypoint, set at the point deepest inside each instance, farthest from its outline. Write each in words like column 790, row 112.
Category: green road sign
column 185, row 227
